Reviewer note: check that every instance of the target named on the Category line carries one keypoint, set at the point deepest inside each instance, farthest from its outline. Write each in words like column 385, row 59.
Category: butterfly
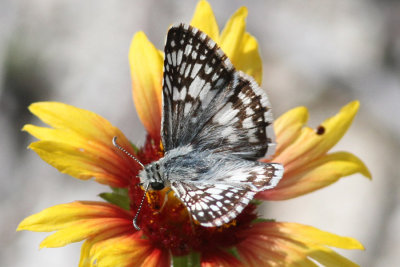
column 216, row 123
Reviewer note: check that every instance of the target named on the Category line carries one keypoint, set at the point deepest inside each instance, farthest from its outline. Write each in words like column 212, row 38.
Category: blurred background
column 320, row 54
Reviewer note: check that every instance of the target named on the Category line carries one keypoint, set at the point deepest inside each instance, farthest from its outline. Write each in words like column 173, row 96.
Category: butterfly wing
column 218, row 188
column 213, row 209
column 207, row 103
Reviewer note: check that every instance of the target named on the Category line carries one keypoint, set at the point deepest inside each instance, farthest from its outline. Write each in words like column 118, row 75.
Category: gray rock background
column 321, row 54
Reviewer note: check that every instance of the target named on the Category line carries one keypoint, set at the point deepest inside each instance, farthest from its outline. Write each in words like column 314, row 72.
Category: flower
column 78, row 143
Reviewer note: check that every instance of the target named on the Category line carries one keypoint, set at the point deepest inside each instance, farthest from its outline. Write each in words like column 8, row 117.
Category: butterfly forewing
column 241, row 124
column 195, row 72
column 207, row 103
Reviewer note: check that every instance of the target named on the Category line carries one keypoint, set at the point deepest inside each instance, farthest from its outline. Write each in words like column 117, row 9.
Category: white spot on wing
column 249, row 111
column 188, row 106
column 188, row 49
column 195, row 70
column 208, row 69
column 194, row 54
column 169, row 58
column 205, row 91
column 214, row 191
column 196, row 86
column 179, row 57
column 226, row 114
column 182, row 68
column 173, row 56
column 227, row 131
column 248, row 123
column 214, row 208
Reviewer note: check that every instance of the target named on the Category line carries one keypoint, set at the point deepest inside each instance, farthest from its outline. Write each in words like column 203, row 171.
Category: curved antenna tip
column 135, row 225
column 114, row 141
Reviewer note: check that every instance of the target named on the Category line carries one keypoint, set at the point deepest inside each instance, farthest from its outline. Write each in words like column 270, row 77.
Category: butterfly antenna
column 140, row 207
column 114, row 141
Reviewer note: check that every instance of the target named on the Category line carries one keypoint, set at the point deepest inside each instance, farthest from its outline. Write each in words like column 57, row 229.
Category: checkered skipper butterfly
column 216, row 123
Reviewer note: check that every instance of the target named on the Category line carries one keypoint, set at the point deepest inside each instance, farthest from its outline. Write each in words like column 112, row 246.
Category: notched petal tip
column 355, row 165
column 22, row 226
column 343, row 118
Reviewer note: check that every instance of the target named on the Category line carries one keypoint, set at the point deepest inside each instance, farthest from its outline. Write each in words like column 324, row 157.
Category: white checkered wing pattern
column 216, row 123
column 218, row 200
column 207, row 103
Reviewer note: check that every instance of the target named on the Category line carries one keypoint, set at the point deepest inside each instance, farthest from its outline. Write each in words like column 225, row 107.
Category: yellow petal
column 82, row 164
column 85, row 260
column 61, row 216
column 89, row 247
column 291, row 244
column 232, row 35
column 77, row 221
column 125, row 250
column 288, row 127
column 320, row 173
column 81, row 144
column 146, row 64
column 79, row 121
column 240, row 46
column 311, row 145
column 329, row 258
column 248, row 58
column 312, row 235
column 204, row 20
column 83, row 229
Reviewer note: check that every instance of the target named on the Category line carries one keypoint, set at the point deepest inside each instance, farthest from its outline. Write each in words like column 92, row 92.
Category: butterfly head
column 152, row 175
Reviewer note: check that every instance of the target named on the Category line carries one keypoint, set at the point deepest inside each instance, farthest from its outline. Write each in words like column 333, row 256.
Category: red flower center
column 165, row 220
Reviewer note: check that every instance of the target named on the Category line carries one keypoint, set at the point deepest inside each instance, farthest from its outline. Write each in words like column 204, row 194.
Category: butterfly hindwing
column 213, row 204
column 207, row 103
column 216, row 188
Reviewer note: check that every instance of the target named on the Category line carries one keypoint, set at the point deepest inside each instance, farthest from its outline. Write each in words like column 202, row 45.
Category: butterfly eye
column 157, row 185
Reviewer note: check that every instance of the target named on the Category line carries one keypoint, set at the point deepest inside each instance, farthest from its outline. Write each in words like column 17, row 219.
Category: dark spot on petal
column 320, row 130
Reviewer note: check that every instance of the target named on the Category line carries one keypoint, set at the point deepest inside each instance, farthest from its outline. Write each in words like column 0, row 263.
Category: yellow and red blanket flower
column 79, row 143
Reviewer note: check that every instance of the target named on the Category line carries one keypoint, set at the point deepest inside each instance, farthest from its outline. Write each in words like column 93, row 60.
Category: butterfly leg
column 165, row 199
